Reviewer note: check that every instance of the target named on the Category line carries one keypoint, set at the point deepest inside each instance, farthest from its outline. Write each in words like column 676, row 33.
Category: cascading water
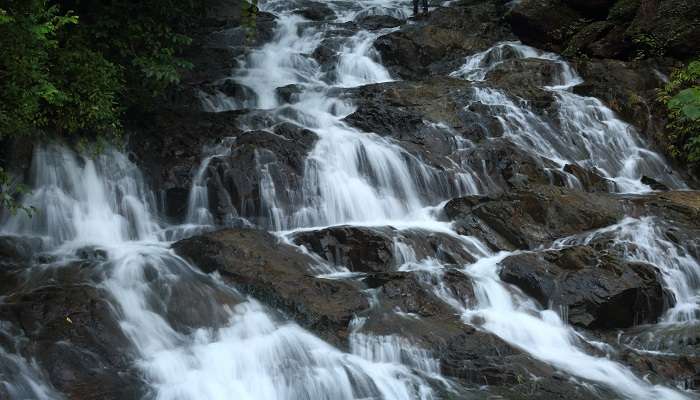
column 349, row 177
column 586, row 132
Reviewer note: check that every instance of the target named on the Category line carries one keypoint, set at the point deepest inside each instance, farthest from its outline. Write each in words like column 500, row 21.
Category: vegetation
column 681, row 97
column 72, row 68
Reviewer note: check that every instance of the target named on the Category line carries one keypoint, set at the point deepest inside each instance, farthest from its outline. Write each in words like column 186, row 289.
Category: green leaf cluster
column 681, row 96
column 72, row 68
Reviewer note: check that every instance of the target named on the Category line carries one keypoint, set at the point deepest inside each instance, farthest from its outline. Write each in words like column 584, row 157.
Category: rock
column 409, row 313
column 275, row 158
column 375, row 22
column 630, row 88
column 288, row 94
column 589, row 180
column 439, row 44
column 278, row 275
column 597, row 289
column 653, row 183
column 668, row 27
column 316, row 11
column 17, row 250
column 76, row 338
column 91, row 254
column 170, row 147
column 358, row 249
column 545, row 24
column 525, row 79
column 597, row 8
column 370, row 249
column 527, row 218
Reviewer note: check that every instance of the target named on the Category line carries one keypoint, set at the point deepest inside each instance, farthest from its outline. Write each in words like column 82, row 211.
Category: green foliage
column 687, row 103
column 681, row 97
column 623, row 10
column 71, row 68
column 28, row 38
column 10, row 190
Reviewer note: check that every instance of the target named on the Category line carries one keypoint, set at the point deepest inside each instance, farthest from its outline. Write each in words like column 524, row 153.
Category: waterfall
column 350, row 177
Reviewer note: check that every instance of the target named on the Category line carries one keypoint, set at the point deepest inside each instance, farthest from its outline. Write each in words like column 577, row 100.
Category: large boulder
column 169, row 144
column 278, row 275
column 408, row 313
column 74, row 334
column 595, row 288
column 378, row 249
column 445, row 123
column 315, row 11
column 439, row 44
column 257, row 161
column 546, row 24
column 667, row 27
column 528, row 218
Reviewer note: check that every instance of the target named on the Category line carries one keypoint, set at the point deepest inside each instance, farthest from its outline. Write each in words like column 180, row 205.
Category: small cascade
column 85, row 200
column 584, row 131
column 196, row 337
column 644, row 240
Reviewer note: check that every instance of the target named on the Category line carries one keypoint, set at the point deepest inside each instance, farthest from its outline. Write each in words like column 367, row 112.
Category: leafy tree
column 682, row 99
column 72, row 68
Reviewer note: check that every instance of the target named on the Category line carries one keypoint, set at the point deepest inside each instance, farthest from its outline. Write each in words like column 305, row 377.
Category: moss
column 623, row 10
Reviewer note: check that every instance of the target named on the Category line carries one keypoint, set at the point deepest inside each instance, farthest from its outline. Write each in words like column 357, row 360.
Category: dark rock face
column 278, row 275
column 525, row 219
column 621, row 48
column 609, row 29
column 315, row 11
column 173, row 151
column 598, row 289
column 529, row 217
column 543, row 23
column 363, row 249
column 374, row 22
column 77, row 340
column 630, row 88
column 443, row 122
column 439, row 44
column 16, row 251
column 360, row 249
column 277, row 157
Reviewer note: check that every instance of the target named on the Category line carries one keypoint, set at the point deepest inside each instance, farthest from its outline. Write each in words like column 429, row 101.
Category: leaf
column 688, row 102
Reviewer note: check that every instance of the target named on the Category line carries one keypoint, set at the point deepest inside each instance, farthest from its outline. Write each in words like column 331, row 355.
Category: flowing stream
column 350, row 177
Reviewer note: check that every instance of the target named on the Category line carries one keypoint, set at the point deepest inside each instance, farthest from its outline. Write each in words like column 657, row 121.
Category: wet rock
column 358, row 249
column 379, row 249
column 545, row 24
column 653, row 183
column 91, row 253
column 75, row 336
column 17, row 250
column 374, row 22
column 315, row 11
column 527, row 218
column 289, row 93
column 672, row 25
column 439, row 44
column 259, row 158
column 589, row 180
column 170, row 145
column 591, row 7
column 278, row 275
column 596, row 289
column 408, row 308
column 525, row 79
column 630, row 88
